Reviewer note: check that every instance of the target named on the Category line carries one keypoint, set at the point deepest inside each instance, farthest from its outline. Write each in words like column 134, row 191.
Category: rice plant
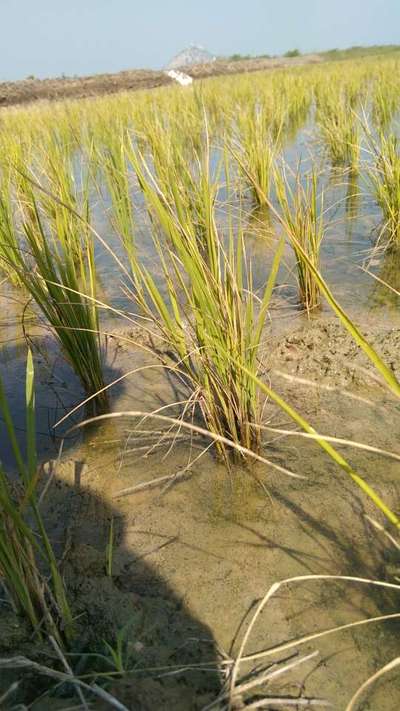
column 384, row 179
column 340, row 130
column 302, row 217
column 254, row 150
column 113, row 165
column 26, row 554
column 185, row 176
column 62, row 282
column 385, row 102
column 208, row 318
column 8, row 233
column 291, row 105
column 61, row 175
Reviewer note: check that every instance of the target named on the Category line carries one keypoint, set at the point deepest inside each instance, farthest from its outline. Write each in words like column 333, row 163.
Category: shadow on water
column 169, row 655
column 58, row 391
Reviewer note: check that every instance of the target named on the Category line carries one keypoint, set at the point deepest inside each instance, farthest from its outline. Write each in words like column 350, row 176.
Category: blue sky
column 49, row 37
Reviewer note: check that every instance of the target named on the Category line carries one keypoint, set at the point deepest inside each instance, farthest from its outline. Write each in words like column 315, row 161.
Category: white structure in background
column 188, row 57
column 180, row 77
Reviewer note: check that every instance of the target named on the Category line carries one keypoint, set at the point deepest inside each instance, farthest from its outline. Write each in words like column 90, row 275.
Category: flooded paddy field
column 166, row 543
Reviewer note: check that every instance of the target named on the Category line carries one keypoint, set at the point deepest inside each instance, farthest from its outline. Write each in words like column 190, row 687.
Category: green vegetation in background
column 291, row 53
column 356, row 52
column 360, row 52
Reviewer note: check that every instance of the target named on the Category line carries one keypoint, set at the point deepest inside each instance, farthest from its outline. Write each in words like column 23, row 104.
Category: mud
column 191, row 560
column 326, row 353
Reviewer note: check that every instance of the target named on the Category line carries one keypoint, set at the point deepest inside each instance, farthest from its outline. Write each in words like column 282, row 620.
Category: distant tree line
column 356, row 51
column 241, row 57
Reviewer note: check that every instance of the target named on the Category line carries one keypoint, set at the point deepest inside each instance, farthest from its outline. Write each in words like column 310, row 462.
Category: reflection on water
column 386, row 291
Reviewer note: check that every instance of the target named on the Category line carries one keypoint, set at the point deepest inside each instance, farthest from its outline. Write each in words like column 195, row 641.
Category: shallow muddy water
column 191, row 558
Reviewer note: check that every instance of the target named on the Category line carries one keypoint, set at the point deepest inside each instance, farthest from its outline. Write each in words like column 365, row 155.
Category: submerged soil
column 191, row 559
column 30, row 90
column 327, row 353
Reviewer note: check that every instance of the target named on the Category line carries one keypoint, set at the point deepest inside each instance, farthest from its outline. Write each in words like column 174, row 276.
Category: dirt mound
column 29, row 90
column 224, row 67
